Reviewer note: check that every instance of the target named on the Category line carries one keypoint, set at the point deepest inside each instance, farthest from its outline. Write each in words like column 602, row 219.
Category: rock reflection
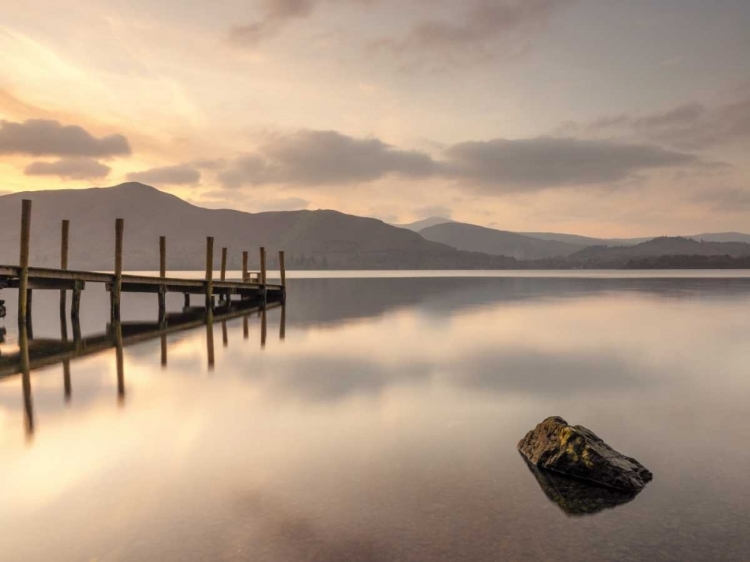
column 576, row 497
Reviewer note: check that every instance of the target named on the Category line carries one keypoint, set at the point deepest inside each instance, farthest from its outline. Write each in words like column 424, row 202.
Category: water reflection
column 576, row 497
column 389, row 431
column 37, row 353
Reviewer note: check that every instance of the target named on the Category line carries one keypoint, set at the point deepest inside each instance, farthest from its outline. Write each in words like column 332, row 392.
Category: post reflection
column 25, row 366
column 37, row 353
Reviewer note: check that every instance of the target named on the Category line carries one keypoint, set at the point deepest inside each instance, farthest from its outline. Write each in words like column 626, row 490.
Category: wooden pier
column 251, row 287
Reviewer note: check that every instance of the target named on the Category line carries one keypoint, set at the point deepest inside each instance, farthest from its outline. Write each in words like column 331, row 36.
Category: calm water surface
column 383, row 427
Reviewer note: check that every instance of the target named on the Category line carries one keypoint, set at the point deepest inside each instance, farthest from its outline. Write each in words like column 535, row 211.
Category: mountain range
column 322, row 239
column 477, row 238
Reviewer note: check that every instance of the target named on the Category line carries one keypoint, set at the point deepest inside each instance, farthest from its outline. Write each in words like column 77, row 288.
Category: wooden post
column 77, row 338
column 23, row 281
column 75, row 306
column 244, row 266
column 245, row 328
column 223, row 264
column 282, row 324
column 162, row 274
column 209, row 271
column 162, row 256
column 64, row 261
column 29, row 295
column 187, row 300
column 263, row 266
column 282, row 268
column 117, row 287
column 224, row 334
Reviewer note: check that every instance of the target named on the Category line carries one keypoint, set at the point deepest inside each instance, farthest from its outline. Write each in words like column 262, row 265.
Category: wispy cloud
column 489, row 29
column 690, row 126
column 275, row 16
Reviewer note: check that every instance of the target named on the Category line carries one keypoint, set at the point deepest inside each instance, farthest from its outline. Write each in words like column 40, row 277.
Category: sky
column 595, row 117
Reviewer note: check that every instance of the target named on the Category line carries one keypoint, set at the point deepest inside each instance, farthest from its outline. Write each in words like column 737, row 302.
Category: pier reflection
column 34, row 354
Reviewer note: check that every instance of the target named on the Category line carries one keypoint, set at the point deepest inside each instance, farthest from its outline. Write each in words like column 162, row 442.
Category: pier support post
column 29, row 295
column 187, row 300
column 263, row 266
column 23, row 262
column 282, row 272
column 75, row 305
column 224, row 297
column 282, row 323
column 64, row 239
column 263, row 295
column 209, row 272
column 162, row 274
column 244, row 266
column 117, row 286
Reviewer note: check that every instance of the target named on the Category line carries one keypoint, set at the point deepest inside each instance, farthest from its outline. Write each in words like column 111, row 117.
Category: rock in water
column 579, row 452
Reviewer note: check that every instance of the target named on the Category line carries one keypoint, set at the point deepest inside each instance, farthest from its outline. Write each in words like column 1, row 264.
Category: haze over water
column 384, row 425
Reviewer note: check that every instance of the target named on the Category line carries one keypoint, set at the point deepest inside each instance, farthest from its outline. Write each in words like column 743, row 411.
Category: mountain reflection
column 331, row 301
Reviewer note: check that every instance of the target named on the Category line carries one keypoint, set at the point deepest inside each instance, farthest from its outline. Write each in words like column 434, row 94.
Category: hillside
column 619, row 256
column 312, row 239
column 473, row 238
column 424, row 223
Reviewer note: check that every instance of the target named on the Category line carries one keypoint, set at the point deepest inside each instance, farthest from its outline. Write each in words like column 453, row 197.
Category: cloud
column 690, row 126
column 276, row 15
column 44, row 137
column 545, row 162
column 489, row 29
column 329, row 158
column 69, row 168
column 324, row 157
column 181, row 174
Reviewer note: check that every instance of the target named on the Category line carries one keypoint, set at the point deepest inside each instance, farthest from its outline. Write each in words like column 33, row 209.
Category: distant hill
column 586, row 240
column 312, row 239
column 424, row 223
column 722, row 237
column 620, row 256
column 475, row 238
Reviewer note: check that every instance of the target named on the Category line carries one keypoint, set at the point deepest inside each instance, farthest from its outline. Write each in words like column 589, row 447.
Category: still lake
column 383, row 426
